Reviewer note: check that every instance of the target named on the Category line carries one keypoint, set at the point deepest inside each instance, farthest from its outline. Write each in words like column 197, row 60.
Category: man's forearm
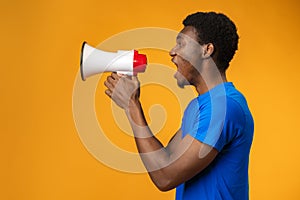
column 155, row 157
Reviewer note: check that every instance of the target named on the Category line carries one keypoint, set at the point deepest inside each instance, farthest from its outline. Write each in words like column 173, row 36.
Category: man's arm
column 178, row 162
column 174, row 141
column 168, row 167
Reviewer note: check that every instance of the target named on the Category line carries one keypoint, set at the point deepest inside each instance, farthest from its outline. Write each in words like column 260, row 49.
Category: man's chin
column 181, row 84
column 181, row 81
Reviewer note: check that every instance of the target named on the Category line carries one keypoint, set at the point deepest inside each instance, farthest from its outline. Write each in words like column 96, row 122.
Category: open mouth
column 174, row 62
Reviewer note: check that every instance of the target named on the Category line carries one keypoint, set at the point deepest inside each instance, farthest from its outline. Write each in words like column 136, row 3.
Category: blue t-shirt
column 221, row 119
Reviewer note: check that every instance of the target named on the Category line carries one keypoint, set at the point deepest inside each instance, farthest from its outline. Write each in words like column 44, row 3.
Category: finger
column 111, row 80
column 134, row 78
column 115, row 76
column 108, row 85
column 108, row 93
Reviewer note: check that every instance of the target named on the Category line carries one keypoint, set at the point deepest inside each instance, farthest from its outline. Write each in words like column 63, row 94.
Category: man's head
column 219, row 30
column 216, row 37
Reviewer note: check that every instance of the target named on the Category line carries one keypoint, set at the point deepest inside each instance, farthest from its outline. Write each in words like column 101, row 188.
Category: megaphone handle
column 126, row 73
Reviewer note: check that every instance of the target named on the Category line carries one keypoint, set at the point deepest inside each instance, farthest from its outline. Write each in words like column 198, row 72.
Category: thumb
column 126, row 76
column 134, row 78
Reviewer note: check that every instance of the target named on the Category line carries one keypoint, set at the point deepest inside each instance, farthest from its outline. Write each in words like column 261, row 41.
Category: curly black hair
column 218, row 29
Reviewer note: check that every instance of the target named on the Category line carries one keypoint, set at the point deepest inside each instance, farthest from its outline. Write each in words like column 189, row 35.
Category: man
column 208, row 156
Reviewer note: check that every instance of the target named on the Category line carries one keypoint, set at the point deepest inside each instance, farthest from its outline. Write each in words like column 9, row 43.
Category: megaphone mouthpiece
column 139, row 62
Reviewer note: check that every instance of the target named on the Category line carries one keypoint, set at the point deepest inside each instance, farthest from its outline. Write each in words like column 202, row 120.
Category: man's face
column 186, row 55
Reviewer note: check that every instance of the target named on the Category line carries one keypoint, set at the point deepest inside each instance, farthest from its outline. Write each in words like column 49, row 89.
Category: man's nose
column 172, row 52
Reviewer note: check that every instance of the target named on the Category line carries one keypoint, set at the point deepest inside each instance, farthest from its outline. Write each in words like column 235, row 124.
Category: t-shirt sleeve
column 205, row 122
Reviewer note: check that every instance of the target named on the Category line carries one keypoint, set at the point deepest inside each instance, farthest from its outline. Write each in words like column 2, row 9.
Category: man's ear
column 208, row 50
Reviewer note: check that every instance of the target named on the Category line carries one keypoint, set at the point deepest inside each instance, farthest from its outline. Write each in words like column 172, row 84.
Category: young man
column 207, row 158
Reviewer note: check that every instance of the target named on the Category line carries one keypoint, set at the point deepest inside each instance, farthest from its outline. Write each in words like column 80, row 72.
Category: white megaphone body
column 94, row 61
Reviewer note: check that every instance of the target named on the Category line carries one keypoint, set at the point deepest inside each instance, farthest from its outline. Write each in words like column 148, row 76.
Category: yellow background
column 42, row 156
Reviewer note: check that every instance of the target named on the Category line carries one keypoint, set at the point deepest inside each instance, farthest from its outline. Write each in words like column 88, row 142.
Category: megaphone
column 94, row 61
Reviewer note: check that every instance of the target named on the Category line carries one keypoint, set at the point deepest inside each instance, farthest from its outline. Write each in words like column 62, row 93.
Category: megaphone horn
column 94, row 61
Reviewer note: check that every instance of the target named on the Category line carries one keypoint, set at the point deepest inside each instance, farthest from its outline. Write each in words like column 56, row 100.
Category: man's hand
column 122, row 89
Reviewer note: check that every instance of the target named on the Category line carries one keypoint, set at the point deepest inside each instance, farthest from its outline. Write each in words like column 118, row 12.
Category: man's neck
column 208, row 80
